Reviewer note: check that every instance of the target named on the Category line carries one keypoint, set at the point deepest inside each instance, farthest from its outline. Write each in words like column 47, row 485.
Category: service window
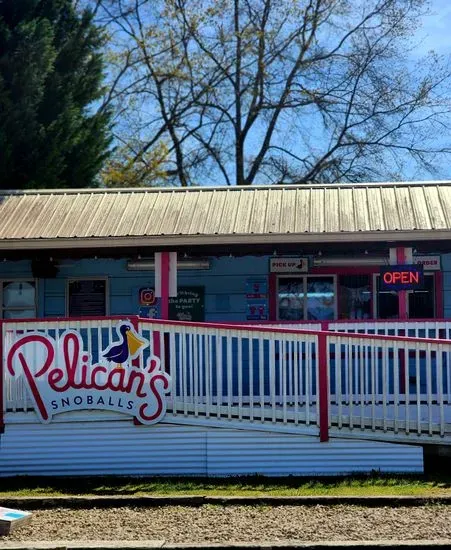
column 386, row 302
column 420, row 303
column 291, row 299
column 18, row 299
column 310, row 297
column 87, row 298
column 320, row 304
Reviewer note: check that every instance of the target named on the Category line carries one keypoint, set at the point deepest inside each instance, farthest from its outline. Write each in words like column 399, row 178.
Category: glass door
column 306, row 298
column 320, row 303
column 420, row 303
column 291, row 299
column 386, row 302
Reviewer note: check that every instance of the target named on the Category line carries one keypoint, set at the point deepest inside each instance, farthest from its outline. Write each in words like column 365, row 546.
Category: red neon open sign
column 402, row 277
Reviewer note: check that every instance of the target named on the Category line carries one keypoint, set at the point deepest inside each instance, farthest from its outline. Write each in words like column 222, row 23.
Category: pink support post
column 163, row 277
column 402, row 294
column 402, row 313
column 323, row 388
column 165, row 285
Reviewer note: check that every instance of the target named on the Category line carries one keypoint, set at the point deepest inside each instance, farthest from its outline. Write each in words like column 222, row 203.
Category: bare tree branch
column 273, row 91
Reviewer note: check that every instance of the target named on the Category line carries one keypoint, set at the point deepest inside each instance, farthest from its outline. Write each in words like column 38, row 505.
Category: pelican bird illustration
column 127, row 348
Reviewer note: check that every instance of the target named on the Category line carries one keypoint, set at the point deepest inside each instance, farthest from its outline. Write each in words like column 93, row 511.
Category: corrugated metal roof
column 372, row 211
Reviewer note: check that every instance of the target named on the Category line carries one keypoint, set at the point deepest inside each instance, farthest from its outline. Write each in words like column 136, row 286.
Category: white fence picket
column 270, row 375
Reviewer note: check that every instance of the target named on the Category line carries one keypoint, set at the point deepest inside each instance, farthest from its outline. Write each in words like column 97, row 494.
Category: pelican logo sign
column 61, row 377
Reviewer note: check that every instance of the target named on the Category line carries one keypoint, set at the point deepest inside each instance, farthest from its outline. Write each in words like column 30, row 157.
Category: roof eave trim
column 168, row 241
column 127, row 190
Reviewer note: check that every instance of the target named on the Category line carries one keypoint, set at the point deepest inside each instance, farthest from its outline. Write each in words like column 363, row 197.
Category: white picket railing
column 440, row 329
column 390, row 385
column 415, row 329
column 238, row 373
column 381, row 384
column 425, row 407
column 283, row 378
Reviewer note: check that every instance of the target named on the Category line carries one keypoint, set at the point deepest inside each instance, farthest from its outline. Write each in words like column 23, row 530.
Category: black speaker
column 43, row 268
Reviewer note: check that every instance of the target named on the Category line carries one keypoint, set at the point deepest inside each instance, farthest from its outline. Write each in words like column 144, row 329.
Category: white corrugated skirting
column 120, row 447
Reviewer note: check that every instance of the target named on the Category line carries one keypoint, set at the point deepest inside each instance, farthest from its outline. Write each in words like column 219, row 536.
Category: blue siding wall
column 446, row 267
column 224, row 284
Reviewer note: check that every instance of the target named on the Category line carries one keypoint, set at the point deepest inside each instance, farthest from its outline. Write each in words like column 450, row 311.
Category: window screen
column 87, row 298
column 18, row 299
column 422, row 302
column 387, row 302
column 354, row 297
column 306, row 298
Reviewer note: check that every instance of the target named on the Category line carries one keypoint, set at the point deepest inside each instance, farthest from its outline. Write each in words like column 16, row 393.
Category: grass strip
column 373, row 485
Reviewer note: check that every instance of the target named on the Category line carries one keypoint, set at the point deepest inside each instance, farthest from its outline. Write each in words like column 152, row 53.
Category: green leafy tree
column 51, row 75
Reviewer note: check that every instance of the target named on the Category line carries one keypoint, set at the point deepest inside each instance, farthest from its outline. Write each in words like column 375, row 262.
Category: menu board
column 87, row 298
column 189, row 305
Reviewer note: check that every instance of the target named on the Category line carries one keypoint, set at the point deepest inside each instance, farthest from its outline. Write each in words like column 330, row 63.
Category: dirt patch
column 239, row 524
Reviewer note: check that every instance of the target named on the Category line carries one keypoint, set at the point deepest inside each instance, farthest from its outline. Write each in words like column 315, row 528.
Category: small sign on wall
column 147, row 297
column 188, row 305
column 149, row 306
column 257, row 310
column 288, row 265
column 256, row 288
column 402, row 277
column 150, row 312
column 429, row 263
column 257, row 299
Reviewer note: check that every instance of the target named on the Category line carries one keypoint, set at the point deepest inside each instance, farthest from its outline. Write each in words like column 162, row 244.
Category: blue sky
column 434, row 34
column 436, row 31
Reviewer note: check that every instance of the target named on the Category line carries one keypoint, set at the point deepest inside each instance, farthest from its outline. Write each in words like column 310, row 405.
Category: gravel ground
column 211, row 523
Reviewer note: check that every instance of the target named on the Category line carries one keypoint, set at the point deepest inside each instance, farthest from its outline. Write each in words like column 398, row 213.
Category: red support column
column 323, row 373
column 165, row 285
column 402, row 294
column 402, row 314
column 167, row 278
